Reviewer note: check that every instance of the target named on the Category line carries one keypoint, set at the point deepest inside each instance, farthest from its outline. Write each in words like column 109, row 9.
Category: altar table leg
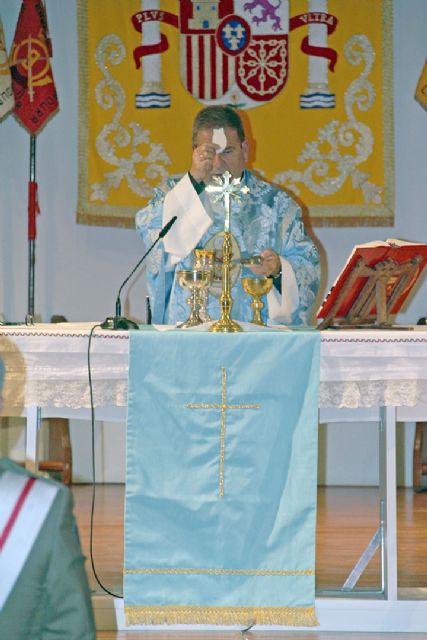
column 32, row 438
column 387, row 488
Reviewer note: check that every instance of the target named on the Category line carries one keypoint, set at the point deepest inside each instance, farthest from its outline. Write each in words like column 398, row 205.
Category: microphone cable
column 112, row 323
column 92, row 511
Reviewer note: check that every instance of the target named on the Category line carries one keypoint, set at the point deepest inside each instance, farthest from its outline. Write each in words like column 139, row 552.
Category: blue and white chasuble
column 221, row 478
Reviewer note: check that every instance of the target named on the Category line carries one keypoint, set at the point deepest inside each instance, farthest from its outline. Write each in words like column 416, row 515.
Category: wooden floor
column 258, row 635
column 347, row 520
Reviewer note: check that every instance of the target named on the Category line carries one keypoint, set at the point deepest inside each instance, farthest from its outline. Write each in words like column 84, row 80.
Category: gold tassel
column 285, row 616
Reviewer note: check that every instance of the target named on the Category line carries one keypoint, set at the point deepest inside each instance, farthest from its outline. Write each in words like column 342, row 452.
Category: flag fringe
column 247, row 616
column 40, row 129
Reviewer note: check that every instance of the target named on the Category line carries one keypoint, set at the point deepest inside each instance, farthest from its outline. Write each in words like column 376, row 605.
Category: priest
column 268, row 233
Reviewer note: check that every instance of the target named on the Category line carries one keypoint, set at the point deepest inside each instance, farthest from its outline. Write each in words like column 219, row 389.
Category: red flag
column 32, row 78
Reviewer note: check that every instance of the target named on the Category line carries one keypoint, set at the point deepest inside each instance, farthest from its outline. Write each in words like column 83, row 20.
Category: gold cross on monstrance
column 224, row 188
column 223, row 406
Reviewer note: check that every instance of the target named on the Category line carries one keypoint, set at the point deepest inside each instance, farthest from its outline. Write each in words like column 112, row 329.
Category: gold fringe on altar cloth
column 247, row 616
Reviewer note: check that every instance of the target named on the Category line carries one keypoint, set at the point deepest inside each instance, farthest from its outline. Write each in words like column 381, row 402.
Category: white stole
column 24, row 505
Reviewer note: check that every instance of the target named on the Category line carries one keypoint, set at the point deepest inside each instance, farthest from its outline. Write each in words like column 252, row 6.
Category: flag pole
column 36, row 102
column 32, row 210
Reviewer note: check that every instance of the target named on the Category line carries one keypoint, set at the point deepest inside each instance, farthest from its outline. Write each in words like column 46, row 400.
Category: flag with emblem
column 6, row 94
column 32, row 78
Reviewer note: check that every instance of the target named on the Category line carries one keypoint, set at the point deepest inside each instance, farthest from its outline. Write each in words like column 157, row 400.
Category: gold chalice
column 195, row 280
column 256, row 288
column 204, row 260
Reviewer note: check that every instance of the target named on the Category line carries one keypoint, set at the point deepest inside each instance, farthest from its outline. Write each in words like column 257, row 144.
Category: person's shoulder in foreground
column 44, row 592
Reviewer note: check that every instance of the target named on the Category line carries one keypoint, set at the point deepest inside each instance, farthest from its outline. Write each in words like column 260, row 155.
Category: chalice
column 204, row 260
column 195, row 280
column 256, row 288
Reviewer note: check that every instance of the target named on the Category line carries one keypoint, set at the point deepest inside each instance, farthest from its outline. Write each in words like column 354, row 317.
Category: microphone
column 118, row 321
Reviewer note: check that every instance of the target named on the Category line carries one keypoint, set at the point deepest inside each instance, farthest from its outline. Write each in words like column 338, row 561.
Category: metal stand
column 32, row 438
column 32, row 212
column 385, row 536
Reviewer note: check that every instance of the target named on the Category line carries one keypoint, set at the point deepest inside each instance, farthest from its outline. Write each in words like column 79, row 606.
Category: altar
column 381, row 374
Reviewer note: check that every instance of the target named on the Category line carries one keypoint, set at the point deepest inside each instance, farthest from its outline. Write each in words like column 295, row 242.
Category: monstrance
column 225, row 188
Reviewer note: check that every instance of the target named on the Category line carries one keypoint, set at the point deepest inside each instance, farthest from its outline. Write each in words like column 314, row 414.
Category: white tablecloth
column 369, row 368
column 46, row 365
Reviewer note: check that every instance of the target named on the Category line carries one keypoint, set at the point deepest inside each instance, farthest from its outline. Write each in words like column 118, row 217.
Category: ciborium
column 257, row 287
column 195, row 280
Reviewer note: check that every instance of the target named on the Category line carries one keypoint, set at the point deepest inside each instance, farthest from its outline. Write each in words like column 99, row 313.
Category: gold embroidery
column 288, row 616
column 33, row 51
column 219, row 572
column 223, row 406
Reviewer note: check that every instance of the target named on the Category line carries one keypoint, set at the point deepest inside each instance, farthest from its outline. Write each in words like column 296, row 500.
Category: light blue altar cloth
column 221, row 478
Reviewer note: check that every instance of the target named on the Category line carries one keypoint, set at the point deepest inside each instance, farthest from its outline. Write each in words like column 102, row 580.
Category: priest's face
column 233, row 157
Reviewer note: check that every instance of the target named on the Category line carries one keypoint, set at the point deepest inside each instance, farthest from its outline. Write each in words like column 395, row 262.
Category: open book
column 374, row 283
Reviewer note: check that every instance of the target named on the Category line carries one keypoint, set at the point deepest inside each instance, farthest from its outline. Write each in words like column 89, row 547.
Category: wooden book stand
column 370, row 293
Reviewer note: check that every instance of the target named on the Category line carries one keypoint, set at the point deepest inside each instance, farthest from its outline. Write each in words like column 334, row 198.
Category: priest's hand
column 269, row 267
column 203, row 161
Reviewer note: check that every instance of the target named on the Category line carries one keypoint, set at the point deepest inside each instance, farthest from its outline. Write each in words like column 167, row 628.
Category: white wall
column 79, row 268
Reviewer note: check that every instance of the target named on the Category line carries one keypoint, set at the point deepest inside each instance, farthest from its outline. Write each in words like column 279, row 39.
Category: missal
column 375, row 282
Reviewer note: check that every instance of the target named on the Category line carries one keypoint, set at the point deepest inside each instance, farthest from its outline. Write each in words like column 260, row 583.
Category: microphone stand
column 119, row 322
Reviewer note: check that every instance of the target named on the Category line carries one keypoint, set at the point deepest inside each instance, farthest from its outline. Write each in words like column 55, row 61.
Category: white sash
column 193, row 220
column 24, row 507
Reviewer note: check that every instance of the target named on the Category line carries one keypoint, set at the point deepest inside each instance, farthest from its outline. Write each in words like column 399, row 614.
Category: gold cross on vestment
column 223, row 406
column 224, row 189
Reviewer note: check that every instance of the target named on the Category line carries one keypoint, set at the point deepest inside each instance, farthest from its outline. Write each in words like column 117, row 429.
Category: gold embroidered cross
column 223, row 406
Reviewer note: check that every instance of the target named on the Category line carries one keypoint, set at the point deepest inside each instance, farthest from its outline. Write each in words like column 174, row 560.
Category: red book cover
column 372, row 254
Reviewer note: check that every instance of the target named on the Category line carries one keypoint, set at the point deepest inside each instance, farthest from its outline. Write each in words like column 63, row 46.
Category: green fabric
column 51, row 598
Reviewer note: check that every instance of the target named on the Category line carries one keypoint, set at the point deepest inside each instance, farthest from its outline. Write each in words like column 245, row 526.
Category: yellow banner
column 312, row 78
column 421, row 90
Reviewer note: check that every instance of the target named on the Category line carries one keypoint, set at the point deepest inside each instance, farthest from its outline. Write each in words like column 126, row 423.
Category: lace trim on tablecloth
column 371, row 393
column 106, row 393
column 70, row 394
